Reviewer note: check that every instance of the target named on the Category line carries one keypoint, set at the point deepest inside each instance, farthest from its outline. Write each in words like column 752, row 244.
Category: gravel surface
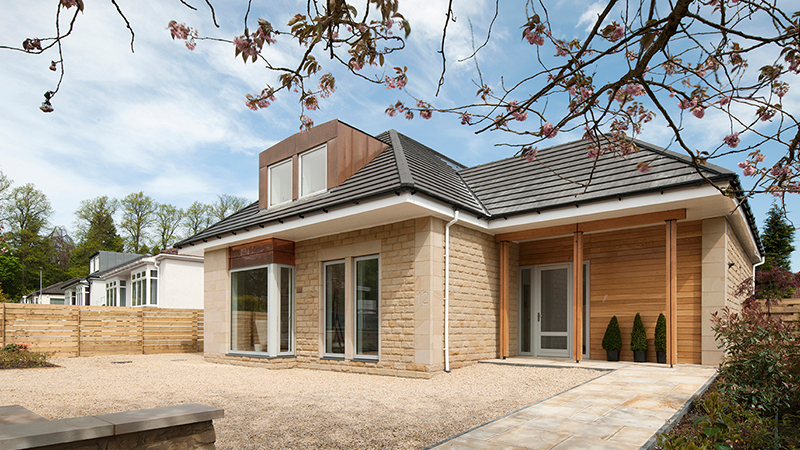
column 291, row 409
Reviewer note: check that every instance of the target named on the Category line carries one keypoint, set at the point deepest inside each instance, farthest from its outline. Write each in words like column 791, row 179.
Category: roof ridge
column 474, row 196
column 406, row 178
column 713, row 168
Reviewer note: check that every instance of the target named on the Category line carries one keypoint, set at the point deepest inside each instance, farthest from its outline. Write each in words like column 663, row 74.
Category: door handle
column 538, row 317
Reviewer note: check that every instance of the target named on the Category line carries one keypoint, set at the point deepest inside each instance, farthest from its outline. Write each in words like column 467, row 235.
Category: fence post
column 4, row 324
column 79, row 330
column 141, row 322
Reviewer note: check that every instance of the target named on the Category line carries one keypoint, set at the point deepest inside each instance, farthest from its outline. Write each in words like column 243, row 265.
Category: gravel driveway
column 292, row 409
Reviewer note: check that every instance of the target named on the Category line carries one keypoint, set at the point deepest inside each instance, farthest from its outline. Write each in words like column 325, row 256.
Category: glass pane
column 280, row 183
column 286, row 289
column 334, row 308
column 153, row 291
column 585, row 313
column 143, row 291
column 367, row 307
column 555, row 285
column 249, row 310
column 554, row 342
column 122, row 297
column 312, row 171
column 525, row 311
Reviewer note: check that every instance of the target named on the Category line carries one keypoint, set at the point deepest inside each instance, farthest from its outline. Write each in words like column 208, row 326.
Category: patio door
column 546, row 310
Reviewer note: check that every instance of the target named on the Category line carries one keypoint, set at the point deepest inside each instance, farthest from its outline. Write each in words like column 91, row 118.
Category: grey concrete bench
column 187, row 426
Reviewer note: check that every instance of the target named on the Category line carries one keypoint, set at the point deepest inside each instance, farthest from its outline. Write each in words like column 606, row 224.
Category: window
column 352, row 296
column 111, row 293
column 280, row 183
column 139, row 289
column 154, row 291
column 366, row 296
column 334, row 308
column 262, row 310
column 313, row 171
column 122, row 293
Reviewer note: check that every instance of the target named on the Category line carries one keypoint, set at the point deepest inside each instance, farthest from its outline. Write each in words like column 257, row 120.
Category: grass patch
column 18, row 356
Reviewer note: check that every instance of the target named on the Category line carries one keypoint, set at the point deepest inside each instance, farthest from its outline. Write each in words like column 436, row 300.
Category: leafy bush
column 638, row 335
column 660, row 340
column 761, row 368
column 17, row 356
column 612, row 340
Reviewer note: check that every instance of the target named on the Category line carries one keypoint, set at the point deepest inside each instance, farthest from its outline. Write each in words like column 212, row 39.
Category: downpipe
column 447, row 291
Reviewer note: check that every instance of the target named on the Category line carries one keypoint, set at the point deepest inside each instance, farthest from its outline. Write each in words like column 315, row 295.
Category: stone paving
column 623, row 409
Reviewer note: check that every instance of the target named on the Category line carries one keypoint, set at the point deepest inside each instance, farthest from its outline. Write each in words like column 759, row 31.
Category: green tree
column 778, row 237
column 167, row 220
column 227, row 204
column 197, row 218
column 95, row 231
column 10, row 270
column 28, row 209
column 137, row 216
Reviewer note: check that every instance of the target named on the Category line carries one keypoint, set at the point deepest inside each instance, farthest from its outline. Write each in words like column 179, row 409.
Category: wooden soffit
column 594, row 226
column 261, row 253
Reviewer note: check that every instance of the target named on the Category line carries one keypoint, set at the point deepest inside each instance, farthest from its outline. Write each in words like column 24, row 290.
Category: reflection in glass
column 249, row 310
column 334, row 308
column 367, row 307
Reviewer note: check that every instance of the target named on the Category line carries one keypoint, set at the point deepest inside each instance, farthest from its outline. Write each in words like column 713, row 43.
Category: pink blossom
column 426, row 114
column 586, row 93
column 549, row 131
column 466, row 118
column 356, row 65
column 593, row 153
column 765, row 113
column 724, row 101
column 760, row 158
column 749, row 170
column 532, row 153
column 732, row 140
column 699, row 112
column 619, row 32
column 409, row 115
column 362, row 28
column 561, row 50
column 191, row 45
column 533, row 38
column 573, row 90
column 634, row 89
column 685, row 103
column 743, row 164
column 643, row 167
column 780, row 171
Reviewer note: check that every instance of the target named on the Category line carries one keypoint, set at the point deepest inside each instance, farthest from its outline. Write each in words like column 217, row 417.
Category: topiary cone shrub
column 661, row 339
column 612, row 340
column 639, row 340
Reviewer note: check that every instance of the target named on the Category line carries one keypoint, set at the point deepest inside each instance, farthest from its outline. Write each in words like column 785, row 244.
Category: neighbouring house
column 50, row 295
column 165, row 280
column 377, row 254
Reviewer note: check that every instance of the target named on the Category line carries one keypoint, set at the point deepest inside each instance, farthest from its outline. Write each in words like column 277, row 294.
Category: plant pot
column 612, row 355
column 661, row 357
column 640, row 356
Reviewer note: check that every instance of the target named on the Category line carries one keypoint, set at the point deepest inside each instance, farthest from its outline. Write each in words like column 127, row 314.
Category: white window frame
column 356, row 355
column 325, row 265
column 269, row 181
column 273, row 312
column 324, row 149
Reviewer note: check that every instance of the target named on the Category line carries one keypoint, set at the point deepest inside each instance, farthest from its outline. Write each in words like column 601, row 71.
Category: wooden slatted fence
column 66, row 330
column 786, row 309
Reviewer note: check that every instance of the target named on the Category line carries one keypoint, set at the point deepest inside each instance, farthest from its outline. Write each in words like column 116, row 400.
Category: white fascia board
column 635, row 204
column 180, row 257
column 741, row 227
column 129, row 267
column 366, row 214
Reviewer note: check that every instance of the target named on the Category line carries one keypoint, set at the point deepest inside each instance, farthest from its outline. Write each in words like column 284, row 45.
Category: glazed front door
column 553, row 310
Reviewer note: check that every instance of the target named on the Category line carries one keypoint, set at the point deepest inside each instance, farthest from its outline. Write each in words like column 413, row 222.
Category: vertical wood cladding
column 627, row 273
column 260, row 253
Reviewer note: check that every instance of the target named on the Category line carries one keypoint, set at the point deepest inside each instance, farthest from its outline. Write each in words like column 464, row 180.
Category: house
column 50, row 295
column 377, row 254
column 166, row 280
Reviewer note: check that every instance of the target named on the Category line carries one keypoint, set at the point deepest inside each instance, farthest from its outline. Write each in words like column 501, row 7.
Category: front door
column 546, row 310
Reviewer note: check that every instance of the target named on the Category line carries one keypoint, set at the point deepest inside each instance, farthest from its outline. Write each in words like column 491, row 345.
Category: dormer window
column 280, row 182
column 313, row 171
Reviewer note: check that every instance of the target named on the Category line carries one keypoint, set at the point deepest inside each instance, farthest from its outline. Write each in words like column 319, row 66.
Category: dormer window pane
column 313, row 170
column 280, row 183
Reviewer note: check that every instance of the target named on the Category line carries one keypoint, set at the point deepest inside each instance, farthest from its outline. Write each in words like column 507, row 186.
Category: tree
column 226, row 205
column 137, row 216
column 640, row 62
column 197, row 218
column 778, row 237
column 28, row 212
column 28, row 209
column 167, row 220
column 95, row 231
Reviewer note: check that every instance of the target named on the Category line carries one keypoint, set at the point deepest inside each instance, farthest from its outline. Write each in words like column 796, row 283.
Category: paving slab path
column 623, row 409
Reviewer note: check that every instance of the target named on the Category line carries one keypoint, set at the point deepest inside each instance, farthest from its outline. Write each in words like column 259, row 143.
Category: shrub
column 17, row 356
column 612, row 340
column 761, row 368
column 638, row 335
column 660, row 340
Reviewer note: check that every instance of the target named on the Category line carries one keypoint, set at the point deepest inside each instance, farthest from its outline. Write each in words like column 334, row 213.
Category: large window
column 262, row 310
column 280, row 183
column 366, row 296
column 153, row 287
column 334, row 308
column 111, row 293
column 249, row 323
column 313, row 171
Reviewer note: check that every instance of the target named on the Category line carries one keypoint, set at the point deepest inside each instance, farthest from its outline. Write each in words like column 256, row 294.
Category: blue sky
column 173, row 123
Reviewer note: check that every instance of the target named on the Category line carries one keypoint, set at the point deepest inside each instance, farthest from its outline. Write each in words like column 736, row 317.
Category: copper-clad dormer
column 333, row 151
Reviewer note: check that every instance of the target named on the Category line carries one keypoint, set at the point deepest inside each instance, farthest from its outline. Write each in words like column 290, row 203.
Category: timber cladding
column 67, row 330
column 261, row 253
column 627, row 270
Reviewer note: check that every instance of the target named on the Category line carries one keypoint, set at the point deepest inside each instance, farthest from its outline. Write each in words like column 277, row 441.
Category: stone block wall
column 196, row 436
column 741, row 270
column 474, row 296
